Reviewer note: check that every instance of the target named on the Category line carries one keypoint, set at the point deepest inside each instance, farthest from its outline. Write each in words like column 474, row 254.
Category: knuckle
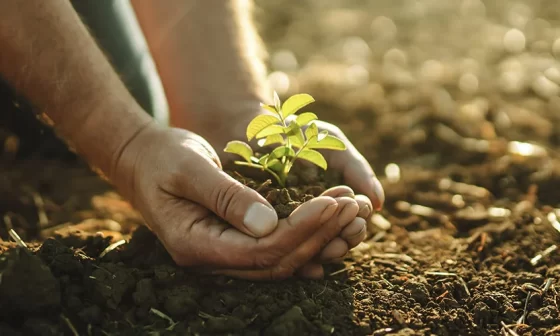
column 325, row 240
column 225, row 195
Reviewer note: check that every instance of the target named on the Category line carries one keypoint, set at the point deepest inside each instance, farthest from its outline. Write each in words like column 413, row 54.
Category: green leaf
column 263, row 159
column 260, row 123
column 282, row 151
column 295, row 102
column 269, row 108
column 277, row 102
column 322, row 135
column 297, row 139
column 329, row 142
column 313, row 157
column 295, row 135
column 275, row 165
column 306, row 117
column 311, row 131
column 270, row 130
column 271, row 140
column 240, row 148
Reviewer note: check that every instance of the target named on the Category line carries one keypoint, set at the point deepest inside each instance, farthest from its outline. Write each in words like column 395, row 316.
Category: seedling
column 295, row 137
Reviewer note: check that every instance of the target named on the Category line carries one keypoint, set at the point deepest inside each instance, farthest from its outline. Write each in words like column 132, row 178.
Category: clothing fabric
column 114, row 26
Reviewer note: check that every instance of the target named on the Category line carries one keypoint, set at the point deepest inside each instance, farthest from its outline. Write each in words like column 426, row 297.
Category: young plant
column 295, row 137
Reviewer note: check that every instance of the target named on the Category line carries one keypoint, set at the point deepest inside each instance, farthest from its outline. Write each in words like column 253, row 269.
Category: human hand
column 173, row 178
column 356, row 171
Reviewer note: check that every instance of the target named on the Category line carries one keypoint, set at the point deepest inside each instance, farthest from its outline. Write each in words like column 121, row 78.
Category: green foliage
column 298, row 139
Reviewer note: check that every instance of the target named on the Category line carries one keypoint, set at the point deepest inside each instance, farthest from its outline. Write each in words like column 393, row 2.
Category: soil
column 458, row 117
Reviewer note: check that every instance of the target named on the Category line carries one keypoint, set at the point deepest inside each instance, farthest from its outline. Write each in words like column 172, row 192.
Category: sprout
column 299, row 138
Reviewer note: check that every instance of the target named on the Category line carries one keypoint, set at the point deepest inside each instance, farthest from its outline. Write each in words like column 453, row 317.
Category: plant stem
column 285, row 160
column 281, row 181
column 291, row 162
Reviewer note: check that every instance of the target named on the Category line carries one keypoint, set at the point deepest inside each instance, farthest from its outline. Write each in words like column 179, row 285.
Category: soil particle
column 291, row 322
column 179, row 301
column 417, row 291
column 222, row 324
column 61, row 259
column 145, row 294
column 111, row 282
column 27, row 285
column 544, row 317
column 91, row 314
column 40, row 327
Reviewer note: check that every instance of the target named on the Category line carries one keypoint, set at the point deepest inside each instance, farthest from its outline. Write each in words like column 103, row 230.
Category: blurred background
column 422, row 81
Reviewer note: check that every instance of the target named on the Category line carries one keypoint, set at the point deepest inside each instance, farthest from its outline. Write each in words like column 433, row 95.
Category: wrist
column 110, row 122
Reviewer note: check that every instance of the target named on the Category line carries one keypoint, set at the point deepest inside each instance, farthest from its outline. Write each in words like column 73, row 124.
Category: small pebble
column 514, row 41
column 380, row 222
column 468, row 83
column 553, row 74
column 512, row 82
column 395, row 56
column 544, row 87
column 393, row 172
column 284, row 60
column 383, row 27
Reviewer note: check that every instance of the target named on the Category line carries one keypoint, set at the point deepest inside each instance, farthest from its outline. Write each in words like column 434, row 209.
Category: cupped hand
column 356, row 171
column 207, row 219
column 362, row 184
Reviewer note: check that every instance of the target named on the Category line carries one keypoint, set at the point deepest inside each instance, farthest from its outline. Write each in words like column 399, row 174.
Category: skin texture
column 171, row 175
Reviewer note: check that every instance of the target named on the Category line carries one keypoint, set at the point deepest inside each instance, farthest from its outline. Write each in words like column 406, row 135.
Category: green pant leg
column 114, row 26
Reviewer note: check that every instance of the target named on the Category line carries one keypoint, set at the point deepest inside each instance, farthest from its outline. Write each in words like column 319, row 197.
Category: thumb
column 234, row 202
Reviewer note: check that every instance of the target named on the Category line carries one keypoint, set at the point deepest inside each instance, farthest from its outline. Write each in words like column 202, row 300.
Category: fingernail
column 328, row 212
column 378, row 190
column 260, row 220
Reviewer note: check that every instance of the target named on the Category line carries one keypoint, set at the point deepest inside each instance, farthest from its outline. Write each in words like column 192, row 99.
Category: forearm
column 209, row 57
column 49, row 57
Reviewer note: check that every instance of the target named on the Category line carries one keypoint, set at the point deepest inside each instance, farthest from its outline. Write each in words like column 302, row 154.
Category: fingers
column 358, row 175
column 352, row 235
column 313, row 271
column 355, row 232
column 218, row 246
column 364, row 203
column 366, row 208
column 355, row 169
column 201, row 146
column 345, row 213
column 335, row 249
column 339, row 191
column 241, row 206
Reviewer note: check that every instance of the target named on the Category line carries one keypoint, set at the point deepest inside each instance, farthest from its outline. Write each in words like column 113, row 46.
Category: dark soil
column 467, row 243
column 304, row 182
